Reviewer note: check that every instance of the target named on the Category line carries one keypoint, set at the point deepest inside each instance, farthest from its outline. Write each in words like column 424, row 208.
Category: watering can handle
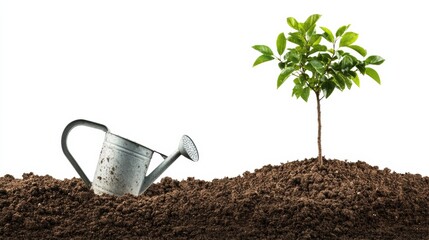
column 69, row 127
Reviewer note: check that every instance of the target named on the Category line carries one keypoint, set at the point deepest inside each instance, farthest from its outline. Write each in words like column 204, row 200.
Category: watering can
column 123, row 164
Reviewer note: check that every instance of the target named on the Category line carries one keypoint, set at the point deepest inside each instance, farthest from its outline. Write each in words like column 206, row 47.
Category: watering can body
column 122, row 165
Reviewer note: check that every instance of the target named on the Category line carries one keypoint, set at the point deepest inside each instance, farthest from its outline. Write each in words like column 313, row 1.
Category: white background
column 154, row 70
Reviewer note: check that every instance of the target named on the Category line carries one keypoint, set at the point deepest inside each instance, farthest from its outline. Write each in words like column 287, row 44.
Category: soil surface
column 295, row 200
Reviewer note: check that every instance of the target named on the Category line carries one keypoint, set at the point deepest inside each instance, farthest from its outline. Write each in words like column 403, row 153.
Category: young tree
column 316, row 67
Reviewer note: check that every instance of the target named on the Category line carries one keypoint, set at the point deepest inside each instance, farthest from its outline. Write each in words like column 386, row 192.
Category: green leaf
column 340, row 53
column 341, row 30
column 318, row 48
column 301, row 28
column 303, row 78
column 298, row 81
column 297, row 90
column 347, row 62
column 311, row 20
column 305, row 93
column 361, row 67
column 262, row 58
column 318, row 66
column 373, row 74
column 339, row 81
column 348, row 82
column 348, row 38
column 328, row 87
column 315, row 39
column 356, row 80
column 311, row 31
column 324, row 57
column 293, row 56
column 327, row 34
column 374, row 60
column 281, row 43
column 293, row 23
column 358, row 49
column 263, row 49
column 296, row 38
column 284, row 74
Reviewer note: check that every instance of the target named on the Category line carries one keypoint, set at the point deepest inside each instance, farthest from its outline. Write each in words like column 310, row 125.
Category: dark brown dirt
column 296, row 200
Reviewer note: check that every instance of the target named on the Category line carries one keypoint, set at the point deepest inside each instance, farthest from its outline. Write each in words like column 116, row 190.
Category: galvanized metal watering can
column 123, row 164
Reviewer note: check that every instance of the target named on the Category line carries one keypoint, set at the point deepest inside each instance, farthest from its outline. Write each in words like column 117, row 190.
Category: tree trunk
column 319, row 129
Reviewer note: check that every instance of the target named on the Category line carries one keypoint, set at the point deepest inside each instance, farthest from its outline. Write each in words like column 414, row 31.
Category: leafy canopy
column 315, row 66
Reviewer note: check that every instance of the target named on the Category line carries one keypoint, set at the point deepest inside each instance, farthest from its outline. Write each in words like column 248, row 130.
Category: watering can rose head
column 188, row 149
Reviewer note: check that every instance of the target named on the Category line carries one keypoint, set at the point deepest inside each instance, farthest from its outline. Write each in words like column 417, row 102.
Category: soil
column 295, row 200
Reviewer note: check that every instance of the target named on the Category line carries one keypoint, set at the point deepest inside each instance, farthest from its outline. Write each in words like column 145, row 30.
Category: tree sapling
column 316, row 67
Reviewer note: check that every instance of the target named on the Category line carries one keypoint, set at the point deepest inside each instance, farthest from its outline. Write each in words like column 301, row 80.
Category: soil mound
column 295, row 200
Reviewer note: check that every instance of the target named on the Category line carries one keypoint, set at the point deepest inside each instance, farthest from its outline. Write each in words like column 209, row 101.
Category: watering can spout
column 186, row 148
